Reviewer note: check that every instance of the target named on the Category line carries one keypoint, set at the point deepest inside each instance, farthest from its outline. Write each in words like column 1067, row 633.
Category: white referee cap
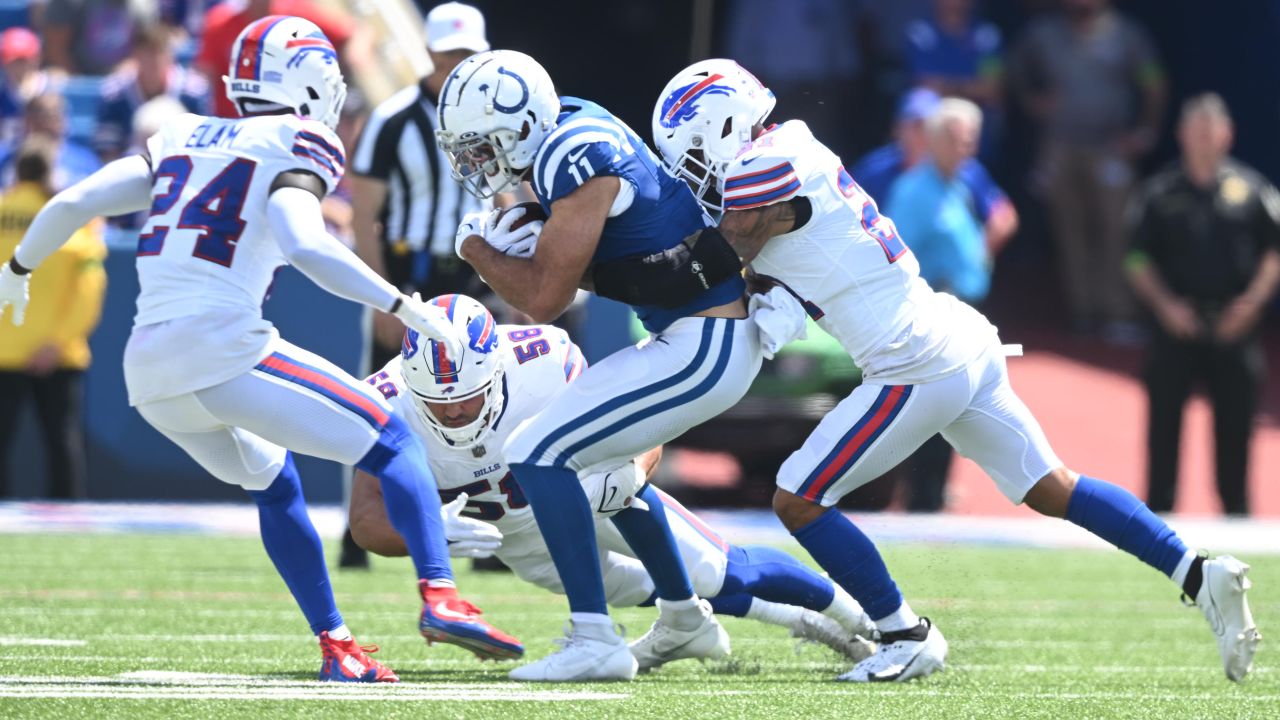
column 454, row 26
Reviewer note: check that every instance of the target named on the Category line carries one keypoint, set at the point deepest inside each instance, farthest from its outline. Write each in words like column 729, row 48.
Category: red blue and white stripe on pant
column 694, row 521
column 854, row 444
column 327, row 384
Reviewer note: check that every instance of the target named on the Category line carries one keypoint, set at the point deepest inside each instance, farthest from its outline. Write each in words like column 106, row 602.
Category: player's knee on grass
column 794, row 511
column 368, row 521
column 1051, row 495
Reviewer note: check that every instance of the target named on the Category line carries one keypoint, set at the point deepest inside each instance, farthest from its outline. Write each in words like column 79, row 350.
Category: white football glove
column 779, row 317
column 473, row 223
column 520, row 242
column 468, row 537
column 612, row 491
column 13, row 291
column 430, row 321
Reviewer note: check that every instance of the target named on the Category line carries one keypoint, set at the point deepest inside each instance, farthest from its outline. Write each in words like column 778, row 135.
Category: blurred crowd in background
column 1008, row 139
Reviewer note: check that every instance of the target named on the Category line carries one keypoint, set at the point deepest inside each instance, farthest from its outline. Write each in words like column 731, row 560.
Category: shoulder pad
column 576, row 151
column 315, row 148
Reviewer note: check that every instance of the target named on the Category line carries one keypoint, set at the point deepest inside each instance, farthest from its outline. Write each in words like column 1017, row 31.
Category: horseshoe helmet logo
column 524, row 94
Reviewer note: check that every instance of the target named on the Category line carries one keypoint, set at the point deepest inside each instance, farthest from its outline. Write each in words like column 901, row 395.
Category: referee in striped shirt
column 406, row 205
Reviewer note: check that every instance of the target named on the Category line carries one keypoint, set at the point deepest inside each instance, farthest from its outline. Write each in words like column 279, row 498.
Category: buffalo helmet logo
column 682, row 104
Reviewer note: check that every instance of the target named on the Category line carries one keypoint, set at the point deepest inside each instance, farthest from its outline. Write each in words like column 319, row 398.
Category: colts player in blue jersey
column 621, row 226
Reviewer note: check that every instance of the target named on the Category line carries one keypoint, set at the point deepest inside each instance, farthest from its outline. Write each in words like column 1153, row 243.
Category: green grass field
column 160, row 626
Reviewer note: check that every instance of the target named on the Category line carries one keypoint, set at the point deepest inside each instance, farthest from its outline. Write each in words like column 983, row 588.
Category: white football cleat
column 591, row 651
column 1221, row 599
column 679, row 634
column 816, row 627
column 903, row 655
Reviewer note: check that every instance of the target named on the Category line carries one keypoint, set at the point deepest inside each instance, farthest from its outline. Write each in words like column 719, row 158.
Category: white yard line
column 167, row 685
column 42, row 642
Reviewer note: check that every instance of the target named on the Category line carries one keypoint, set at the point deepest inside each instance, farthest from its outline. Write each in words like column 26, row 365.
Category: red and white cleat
column 448, row 618
column 348, row 661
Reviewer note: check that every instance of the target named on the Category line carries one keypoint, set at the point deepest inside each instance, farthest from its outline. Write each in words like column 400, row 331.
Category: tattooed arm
column 748, row 230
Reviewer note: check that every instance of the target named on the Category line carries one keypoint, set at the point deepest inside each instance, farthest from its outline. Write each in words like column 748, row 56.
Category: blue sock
column 852, row 560
column 568, row 527
column 1115, row 515
column 294, row 547
column 399, row 461
column 735, row 604
column 649, row 536
column 773, row 575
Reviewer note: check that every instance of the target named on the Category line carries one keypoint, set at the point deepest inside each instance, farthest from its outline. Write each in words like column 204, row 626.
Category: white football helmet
column 495, row 110
column 432, row 376
column 702, row 121
column 286, row 62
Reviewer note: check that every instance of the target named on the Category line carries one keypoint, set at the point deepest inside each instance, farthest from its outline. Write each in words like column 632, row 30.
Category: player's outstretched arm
column 543, row 285
column 294, row 213
column 119, row 187
column 122, row 186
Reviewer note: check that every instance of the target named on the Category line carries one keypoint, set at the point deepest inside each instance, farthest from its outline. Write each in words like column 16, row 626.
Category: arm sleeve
column 986, row 194
column 1268, row 217
column 120, row 187
column 295, row 217
column 1138, row 220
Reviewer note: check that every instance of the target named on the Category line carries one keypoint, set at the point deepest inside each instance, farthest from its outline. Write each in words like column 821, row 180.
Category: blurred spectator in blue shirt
column 953, row 226
column 22, row 79
column 877, row 170
column 943, row 220
column 46, row 115
column 958, row 55
column 151, row 73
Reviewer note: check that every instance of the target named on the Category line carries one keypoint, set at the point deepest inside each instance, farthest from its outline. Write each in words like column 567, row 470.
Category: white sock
column 677, row 605
column 580, row 618
column 788, row 616
column 900, row 619
column 1179, row 575
column 846, row 611
column 681, row 614
column 441, row 583
column 341, row 633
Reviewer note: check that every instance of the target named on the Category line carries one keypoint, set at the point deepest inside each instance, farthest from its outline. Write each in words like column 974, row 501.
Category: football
column 532, row 211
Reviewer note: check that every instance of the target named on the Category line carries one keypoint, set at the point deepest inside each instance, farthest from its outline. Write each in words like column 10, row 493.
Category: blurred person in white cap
column 406, row 207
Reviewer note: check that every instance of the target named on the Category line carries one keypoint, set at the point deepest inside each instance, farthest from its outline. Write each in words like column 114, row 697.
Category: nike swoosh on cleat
column 442, row 609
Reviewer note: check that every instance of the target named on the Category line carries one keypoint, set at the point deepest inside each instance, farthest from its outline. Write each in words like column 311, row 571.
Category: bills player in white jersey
column 231, row 201
column 930, row 364
column 465, row 411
